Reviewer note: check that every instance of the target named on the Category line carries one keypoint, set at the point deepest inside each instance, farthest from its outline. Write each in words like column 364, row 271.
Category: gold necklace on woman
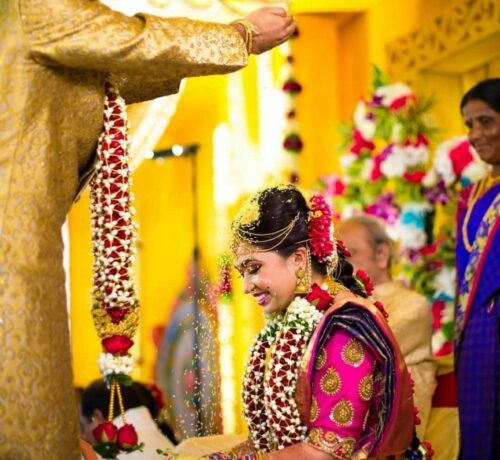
column 480, row 188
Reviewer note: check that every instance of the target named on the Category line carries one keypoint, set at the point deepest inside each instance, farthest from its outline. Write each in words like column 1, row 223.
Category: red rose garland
column 114, row 304
column 322, row 241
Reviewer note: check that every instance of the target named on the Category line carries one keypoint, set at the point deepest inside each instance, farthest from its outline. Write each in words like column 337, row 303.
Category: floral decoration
column 291, row 87
column 387, row 173
column 320, row 229
column 114, row 301
column 270, row 409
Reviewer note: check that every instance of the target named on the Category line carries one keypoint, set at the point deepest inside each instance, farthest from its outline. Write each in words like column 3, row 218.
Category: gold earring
column 301, row 287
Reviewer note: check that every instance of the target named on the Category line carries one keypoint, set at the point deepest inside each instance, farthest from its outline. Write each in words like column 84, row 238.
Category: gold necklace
column 481, row 187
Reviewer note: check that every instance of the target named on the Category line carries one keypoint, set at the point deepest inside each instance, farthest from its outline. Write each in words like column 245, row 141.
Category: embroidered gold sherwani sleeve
column 150, row 55
column 54, row 58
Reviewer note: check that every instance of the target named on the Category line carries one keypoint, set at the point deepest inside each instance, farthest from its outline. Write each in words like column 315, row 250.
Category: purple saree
column 477, row 325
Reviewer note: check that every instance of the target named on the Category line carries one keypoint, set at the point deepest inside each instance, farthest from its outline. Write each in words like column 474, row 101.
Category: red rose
column 319, row 298
column 116, row 314
column 127, row 437
column 105, row 432
column 117, row 344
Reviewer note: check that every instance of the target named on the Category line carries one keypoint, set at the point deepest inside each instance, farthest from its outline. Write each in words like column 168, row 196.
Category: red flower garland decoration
column 114, row 304
column 321, row 230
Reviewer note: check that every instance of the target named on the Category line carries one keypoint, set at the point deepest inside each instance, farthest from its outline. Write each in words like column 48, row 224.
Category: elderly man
column 409, row 314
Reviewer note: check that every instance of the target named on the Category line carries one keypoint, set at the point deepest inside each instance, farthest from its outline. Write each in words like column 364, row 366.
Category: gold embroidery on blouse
column 365, row 388
column 352, row 353
column 331, row 382
column 314, row 409
column 332, row 443
column 321, row 359
column 342, row 413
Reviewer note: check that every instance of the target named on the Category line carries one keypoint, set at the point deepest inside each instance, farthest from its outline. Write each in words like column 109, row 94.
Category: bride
column 325, row 378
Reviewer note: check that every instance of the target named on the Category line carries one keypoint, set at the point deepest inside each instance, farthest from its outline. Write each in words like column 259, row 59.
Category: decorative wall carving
column 464, row 23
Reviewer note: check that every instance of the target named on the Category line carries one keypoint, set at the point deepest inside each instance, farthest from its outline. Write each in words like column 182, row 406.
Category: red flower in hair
column 320, row 229
column 343, row 249
column 365, row 279
column 381, row 308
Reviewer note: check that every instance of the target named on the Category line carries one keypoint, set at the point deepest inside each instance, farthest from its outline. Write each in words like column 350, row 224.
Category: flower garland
column 114, row 305
column 270, row 410
column 292, row 142
column 320, row 230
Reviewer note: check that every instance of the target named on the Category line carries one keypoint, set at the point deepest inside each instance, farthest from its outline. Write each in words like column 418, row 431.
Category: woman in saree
column 477, row 327
column 325, row 378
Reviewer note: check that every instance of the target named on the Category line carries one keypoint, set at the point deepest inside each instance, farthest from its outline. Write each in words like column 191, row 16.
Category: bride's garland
column 270, row 409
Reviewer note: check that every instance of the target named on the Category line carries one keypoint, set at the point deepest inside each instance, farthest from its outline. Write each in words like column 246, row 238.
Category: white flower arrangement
column 363, row 121
column 115, row 364
column 444, row 283
column 389, row 93
column 443, row 167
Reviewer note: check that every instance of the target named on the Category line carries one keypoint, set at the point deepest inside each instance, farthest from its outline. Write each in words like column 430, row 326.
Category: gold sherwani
column 54, row 57
column 411, row 321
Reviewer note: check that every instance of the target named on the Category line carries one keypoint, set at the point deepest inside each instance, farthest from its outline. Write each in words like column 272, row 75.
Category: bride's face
column 268, row 277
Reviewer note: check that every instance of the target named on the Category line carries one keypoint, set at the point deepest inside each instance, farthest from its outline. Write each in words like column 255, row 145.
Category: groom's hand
column 271, row 27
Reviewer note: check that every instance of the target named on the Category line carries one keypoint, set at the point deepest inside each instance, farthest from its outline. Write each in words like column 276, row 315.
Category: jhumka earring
column 304, row 276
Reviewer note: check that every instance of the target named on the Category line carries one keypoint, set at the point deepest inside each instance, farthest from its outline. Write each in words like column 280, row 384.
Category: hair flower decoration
column 363, row 279
column 321, row 229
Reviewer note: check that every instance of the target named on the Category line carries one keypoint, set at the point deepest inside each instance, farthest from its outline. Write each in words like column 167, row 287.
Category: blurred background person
column 138, row 404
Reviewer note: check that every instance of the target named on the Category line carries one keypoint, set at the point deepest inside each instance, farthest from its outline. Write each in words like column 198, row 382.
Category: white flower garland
column 270, row 409
column 114, row 298
column 115, row 364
